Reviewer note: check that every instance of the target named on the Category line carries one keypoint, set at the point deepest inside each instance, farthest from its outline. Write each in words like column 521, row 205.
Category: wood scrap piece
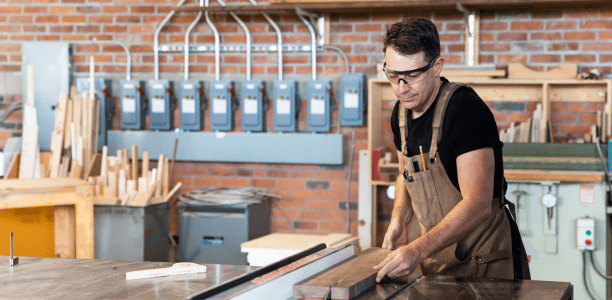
column 171, row 196
column 346, row 280
column 160, row 175
column 165, row 178
column 13, row 170
column 134, row 162
column 564, row 71
column 176, row 269
column 145, row 165
column 29, row 147
column 173, row 159
column 57, row 136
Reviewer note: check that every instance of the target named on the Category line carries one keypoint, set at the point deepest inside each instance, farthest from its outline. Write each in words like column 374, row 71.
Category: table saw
column 55, row 278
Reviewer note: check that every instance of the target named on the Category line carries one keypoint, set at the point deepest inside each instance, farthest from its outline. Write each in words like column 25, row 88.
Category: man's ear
column 438, row 66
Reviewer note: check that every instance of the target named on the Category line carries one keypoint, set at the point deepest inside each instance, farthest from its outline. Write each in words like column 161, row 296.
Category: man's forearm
column 402, row 206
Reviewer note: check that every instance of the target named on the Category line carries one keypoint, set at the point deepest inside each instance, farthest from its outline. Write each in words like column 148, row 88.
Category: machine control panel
column 319, row 97
column 191, row 99
column 286, row 105
column 222, row 105
column 161, row 110
column 253, row 105
column 585, row 233
column 352, row 103
column 133, row 105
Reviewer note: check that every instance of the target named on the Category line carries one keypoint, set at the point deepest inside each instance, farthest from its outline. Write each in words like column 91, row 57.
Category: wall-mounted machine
column 161, row 108
column 352, row 103
column 133, row 104
column 253, row 105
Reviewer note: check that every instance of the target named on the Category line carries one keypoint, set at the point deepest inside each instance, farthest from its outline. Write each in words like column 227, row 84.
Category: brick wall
column 541, row 39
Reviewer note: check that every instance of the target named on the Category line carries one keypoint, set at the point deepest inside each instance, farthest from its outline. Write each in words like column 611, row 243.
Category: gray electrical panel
column 319, row 105
column 222, row 105
column 161, row 106
column 286, row 105
column 191, row 99
column 212, row 234
column 133, row 105
column 102, row 88
column 51, row 61
column 352, row 103
column 253, row 105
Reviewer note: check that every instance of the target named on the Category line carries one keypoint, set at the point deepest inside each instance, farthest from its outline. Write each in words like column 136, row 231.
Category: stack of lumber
column 121, row 182
column 602, row 131
column 523, row 132
column 276, row 246
column 73, row 141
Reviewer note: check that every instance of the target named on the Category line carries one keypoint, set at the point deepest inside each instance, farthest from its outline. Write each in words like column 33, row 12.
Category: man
column 450, row 166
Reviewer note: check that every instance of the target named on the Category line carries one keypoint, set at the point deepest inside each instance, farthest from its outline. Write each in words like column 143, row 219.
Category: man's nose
column 403, row 85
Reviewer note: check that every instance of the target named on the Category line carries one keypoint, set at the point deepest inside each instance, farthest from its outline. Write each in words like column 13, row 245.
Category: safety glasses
column 409, row 77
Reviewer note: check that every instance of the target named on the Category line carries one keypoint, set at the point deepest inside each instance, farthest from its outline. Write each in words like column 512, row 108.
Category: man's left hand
column 400, row 262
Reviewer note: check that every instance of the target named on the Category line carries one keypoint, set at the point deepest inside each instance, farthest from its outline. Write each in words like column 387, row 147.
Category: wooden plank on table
column 546, row 175
column 57, row 136
column 564, row 71
column 346, row 280
column 64, row 222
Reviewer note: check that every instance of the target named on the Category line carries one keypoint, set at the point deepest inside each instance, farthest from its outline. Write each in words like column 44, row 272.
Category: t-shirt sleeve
column 397, row 139
column 472, row 125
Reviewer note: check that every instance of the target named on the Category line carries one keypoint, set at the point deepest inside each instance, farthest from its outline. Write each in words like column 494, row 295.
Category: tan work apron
column 486, row 251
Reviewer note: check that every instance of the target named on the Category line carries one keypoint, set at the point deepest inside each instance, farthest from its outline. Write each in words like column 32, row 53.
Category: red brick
column 548, row 36
column 583, row 107
column 88, row 28
column 228, row 69
column 87, row 48
column 333, row 226
column 285, row 213
column 559, row 107
column 276, row 173
column 239, row 182
column 34, row 28
column 263, row 183
column 10, row 10
column 141, row 29
column 456, row 48
column 323, row 205
column 547, row 14
column 603, row 47
column 579, row 35
column 61, row 9
column 115, row 9
column 556, row 25
column 115, row 28
column 587, row 119
column 563, row 118
column 596, row 24
column 74, row 19
column 520, row 58
column 304, row 225
column 74, row 38
column 519, row 116
column 22, row 37
column 61, row 28
column 577, row 129
column 584, row 13
column 562, row 47
column 279, row 224
column 292, row 203
column 232, row 59
column 581, row 58
column 88, row 9
column 310, row 215
column 546, row 58
column 128, row 19
column 20, row 19
column 142, row 69
column 113, row 69
column 495, row 47
column 149, row 9
column 264, row 39
column 205, row 181
column 512, row 36
column 368, row 28
column 327, row 195
column 524, row 25
column 140, row 48
column 100, row 19
column 291, row 184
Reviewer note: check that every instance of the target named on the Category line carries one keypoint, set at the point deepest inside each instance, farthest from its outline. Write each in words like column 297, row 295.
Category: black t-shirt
column 468, row 125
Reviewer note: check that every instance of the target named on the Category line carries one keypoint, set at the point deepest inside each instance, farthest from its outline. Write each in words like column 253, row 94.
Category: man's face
column 415, row 89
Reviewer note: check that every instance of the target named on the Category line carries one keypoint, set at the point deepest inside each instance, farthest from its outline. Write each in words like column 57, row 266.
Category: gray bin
column 213, row 234
column 131, row 233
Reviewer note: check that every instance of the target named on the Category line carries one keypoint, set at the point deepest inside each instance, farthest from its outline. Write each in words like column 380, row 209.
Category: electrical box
column 352, row 103
column 161, row 108
column 585, row 233
column 253, row 105
column 222, row 105
column 286, row 105
column 191, row 101
column 102, row 88
column 319, row 96
column 133, row 105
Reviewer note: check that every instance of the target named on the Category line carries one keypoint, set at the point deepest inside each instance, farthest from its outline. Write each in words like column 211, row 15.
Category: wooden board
column 565, row 71
column 57, row 136
column 346, row 280
column 176, row 269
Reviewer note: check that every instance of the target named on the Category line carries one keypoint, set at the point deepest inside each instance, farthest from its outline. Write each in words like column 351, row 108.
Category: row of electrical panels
column 252, row 103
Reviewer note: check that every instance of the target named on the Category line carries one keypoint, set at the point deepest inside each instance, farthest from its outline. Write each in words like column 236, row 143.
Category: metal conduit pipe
column 313, row 38
column 248, row 41
column 217, row 42
column 125, row 47
column 346, row 62
column 280, row 41
column 193, row 24
column 156, row 39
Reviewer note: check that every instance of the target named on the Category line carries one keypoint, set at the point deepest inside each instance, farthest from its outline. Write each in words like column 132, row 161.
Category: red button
column 588, row 242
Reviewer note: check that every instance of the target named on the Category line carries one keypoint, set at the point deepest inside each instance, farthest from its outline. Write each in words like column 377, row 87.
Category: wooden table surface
column 57, row 278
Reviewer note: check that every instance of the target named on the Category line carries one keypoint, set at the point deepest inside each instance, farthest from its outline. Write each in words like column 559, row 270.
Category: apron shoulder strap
column 447, row 92
column 402, row 126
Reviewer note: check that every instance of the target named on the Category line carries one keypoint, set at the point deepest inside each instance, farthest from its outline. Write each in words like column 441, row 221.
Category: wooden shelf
column 353, row 6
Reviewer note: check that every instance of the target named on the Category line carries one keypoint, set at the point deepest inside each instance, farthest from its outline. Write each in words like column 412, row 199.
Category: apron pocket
column 424, row 199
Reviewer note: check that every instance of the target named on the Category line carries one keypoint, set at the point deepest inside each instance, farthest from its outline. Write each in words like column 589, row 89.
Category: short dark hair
column 413, row 35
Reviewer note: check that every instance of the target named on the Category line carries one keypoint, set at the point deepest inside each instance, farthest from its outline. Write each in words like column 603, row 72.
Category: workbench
column 72, row 200
column 55, row 278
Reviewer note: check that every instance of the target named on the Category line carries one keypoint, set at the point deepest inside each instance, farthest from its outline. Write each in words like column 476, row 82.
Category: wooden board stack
column 121, row 182
column 601, row 131
column 523, row 132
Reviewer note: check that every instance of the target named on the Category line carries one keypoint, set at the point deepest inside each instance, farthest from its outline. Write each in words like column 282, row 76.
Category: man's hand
column 400, row 262
column 396, row 236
